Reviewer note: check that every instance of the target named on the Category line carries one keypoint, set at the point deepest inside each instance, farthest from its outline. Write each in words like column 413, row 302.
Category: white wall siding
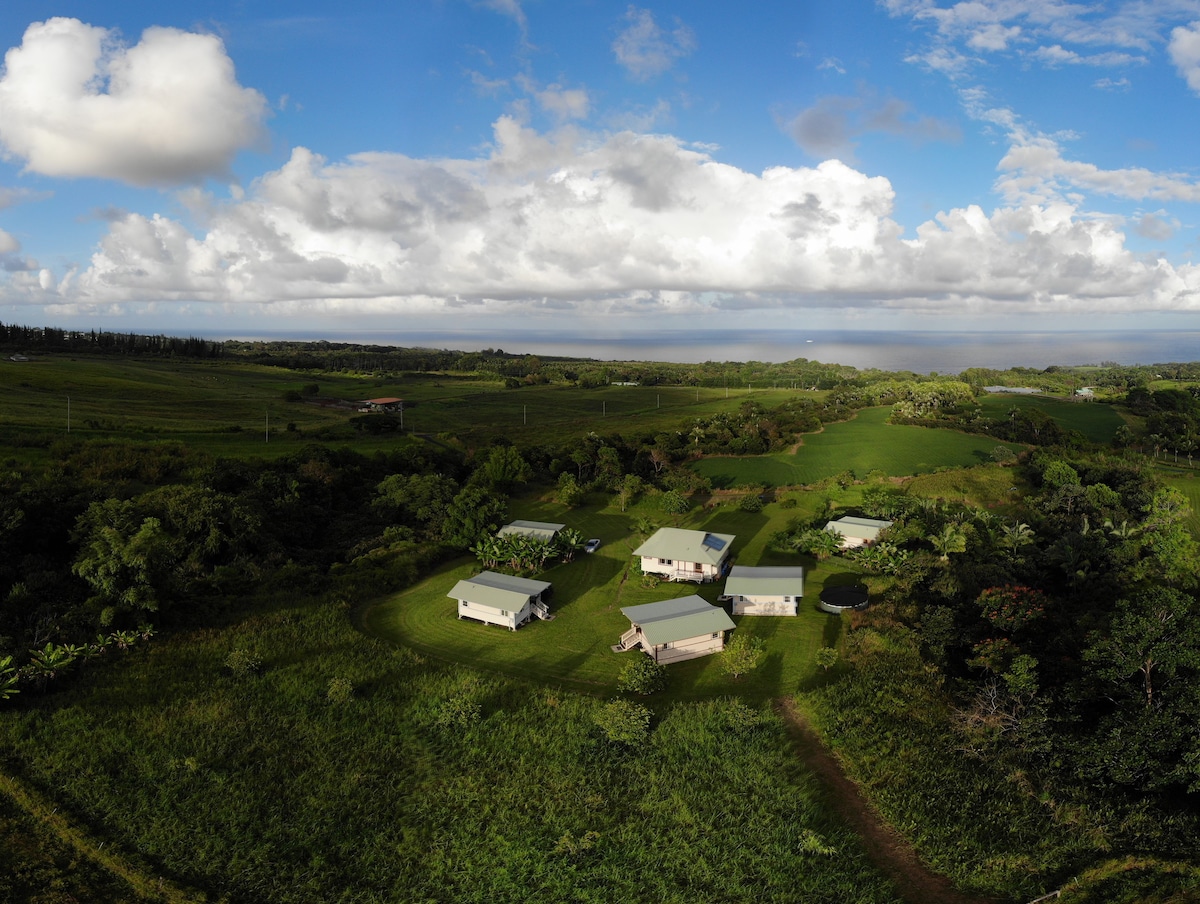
column 486, row 614
column 765, row 605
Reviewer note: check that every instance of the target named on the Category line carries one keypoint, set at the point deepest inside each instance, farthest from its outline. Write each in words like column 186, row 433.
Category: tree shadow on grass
column 743, row 525
column 820, row 678
column 832, row 631
column 843, row 579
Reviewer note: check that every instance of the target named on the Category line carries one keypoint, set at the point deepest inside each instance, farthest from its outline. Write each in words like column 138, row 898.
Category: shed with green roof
column 674, row 630
column 855, row 531
column 764, row 591
column 501, row 599
column 540, row 530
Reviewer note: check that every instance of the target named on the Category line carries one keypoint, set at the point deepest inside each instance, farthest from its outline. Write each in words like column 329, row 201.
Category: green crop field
column 235, row 409
column 1096, row 421
column 864, row 444
column 574, row 649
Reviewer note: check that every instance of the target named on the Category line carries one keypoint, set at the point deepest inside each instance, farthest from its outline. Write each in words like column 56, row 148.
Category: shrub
column 242, row 663
column 751, row 504
column 675, row 503
column 642, row 675
column 741, row 655
column 624, row 722
column 827, row 657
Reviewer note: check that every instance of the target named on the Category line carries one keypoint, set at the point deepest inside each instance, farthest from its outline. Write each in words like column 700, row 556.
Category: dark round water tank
column 839, row 599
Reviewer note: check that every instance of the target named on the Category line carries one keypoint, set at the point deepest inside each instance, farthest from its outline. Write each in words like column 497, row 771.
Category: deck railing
column 629, row 638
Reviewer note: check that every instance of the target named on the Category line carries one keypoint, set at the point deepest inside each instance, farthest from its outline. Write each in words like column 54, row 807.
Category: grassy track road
column 886, row 848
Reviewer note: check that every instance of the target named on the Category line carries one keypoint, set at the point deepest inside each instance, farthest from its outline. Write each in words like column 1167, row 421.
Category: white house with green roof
column 674, row 630
column 501, row 599
column 686, row 555
column 541, row 530
column 764, row 591
column 855, row 531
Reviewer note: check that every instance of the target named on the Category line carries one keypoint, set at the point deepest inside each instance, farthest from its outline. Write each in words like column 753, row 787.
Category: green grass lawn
column 1098, row 422
column 863, row 444
column 574, row 649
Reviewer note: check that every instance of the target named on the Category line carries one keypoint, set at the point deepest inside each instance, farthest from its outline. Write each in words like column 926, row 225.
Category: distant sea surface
column 920, row 352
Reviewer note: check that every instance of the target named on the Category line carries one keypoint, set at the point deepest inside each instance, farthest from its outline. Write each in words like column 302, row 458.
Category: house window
column 466, row 605
column 666, row 562
column 504, row 612
column 716, row 634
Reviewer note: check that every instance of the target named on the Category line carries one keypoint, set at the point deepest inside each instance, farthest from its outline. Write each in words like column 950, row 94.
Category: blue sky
column 553, row 164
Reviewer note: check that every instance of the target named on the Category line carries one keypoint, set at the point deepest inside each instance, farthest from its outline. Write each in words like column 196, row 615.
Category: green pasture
column 1096, row 421
column 863, row 444
column 1187, row 481
column 537, row 414
column 574, row 649
column 236, row 409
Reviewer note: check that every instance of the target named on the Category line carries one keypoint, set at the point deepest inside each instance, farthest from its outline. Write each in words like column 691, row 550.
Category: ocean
column 920, row 352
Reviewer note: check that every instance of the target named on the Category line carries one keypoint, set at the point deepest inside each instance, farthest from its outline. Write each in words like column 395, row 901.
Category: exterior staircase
column 629, row 640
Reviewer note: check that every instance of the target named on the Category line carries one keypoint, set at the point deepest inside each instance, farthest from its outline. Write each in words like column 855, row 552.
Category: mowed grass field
column 863, row 444
column 237, row 409
column 574, row 649
column 1095, row 420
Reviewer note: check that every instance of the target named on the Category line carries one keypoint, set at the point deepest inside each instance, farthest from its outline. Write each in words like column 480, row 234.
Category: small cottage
column 686, row 555
column 764, row 591
column 674, row 630
column 501, row 599
column 540, row 530
column 855, row 532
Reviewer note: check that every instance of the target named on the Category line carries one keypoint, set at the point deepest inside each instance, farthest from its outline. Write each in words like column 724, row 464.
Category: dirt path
column 890, row 852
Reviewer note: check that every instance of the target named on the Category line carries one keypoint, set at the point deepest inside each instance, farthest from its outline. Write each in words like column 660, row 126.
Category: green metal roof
column 682, row 545
column 498, row 591
column 677, row 619
column 543, row 530
column 744, row 580
column 860, row 528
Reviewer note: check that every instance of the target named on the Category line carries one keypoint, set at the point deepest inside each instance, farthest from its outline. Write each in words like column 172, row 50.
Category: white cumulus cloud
column 1035, row 167
column 75, row 101
column 1185, row 53
column 645, row 50
column 623, row 221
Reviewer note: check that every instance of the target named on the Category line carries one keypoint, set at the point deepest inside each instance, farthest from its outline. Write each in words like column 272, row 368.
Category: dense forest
column 1019, row 699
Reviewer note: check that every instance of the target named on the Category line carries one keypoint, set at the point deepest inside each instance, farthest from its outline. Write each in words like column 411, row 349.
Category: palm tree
column 1156, row 440
column 570, row 541
column 9, row 676
column 819, row 543
column 1015, row 535
column 487, row 551
column 952, row 539
column 1122, row 531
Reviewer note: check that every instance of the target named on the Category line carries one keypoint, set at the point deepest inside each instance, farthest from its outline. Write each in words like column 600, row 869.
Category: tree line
column 103, row 342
